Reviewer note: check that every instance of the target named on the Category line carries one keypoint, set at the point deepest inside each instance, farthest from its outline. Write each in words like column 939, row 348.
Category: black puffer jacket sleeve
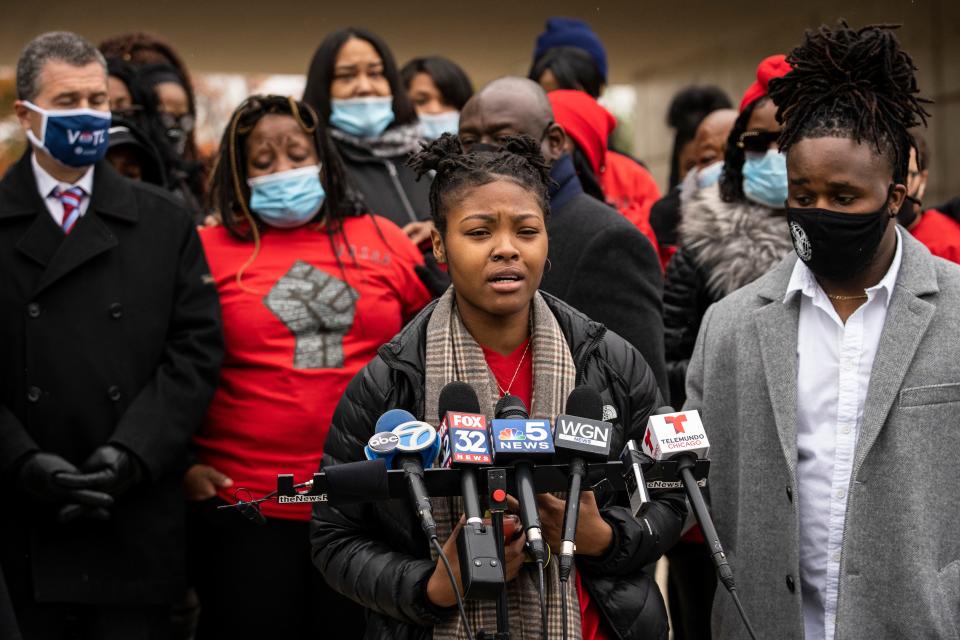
column 356, row 558
column 685, row 300
column 636, row 543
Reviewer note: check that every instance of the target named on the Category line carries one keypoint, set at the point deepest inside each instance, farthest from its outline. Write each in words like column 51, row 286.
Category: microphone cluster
column 538, row 457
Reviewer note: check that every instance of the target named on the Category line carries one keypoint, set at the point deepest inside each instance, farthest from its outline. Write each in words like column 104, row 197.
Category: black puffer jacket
column 388, row 186
column 722, row 247
column 377, row 553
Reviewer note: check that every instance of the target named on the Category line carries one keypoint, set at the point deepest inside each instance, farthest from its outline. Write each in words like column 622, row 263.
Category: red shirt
column 940, row 234
column 631, row 190
column 296, row 333
column 507, row 368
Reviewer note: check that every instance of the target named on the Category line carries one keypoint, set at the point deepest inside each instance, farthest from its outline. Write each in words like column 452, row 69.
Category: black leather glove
column 110, row 469
column 433, row 277
column 39, row 478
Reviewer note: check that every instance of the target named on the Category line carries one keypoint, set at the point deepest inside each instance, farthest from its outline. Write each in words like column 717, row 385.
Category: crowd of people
column 178, row 330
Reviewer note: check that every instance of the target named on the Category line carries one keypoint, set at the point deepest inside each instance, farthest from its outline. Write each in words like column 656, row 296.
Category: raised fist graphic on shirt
column 318, row 309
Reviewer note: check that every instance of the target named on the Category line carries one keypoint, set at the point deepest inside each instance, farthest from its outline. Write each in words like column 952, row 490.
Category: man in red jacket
column 626, row 185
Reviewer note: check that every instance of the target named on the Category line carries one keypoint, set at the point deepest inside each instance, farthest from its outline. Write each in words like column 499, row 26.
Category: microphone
column 464, row 442
column 465, row 445
column 632, row 460
column 521, row 441
column 406, row 443
column 679, row 435
column 580, row 436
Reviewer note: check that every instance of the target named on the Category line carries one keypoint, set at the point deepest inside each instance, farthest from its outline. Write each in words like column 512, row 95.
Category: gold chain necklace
column 841, row 298
column 519, row 364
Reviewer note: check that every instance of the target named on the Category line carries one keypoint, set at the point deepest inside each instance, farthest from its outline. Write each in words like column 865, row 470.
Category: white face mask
column 435, row 125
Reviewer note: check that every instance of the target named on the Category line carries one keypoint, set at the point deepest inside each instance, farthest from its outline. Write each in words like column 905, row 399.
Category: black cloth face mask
column 835, row 245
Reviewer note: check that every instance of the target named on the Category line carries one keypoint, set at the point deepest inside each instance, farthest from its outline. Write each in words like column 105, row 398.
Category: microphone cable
column 743, row 614
column 543, row 602
column 456, row 589
column 563, row 607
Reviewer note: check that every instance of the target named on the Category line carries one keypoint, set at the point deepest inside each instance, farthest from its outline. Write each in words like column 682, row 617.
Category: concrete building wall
column 656, row 46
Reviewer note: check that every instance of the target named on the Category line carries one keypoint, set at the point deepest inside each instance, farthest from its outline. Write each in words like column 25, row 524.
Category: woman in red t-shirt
column 309, row 291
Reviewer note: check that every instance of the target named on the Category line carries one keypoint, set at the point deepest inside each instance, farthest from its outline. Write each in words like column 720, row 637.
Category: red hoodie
column 940, row 234
column 296, row 331
column 628, row 187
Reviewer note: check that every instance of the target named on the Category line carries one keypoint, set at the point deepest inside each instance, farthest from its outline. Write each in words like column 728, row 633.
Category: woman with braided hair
column 835, row 376
column 309, row 289
column 494, row 330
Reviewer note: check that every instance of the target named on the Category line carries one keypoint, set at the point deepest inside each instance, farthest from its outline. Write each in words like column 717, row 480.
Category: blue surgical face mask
column 436, row 124
column 287, row 199
column 709, row 175
column 765, row 179
column 74, row 137
column 362, row 117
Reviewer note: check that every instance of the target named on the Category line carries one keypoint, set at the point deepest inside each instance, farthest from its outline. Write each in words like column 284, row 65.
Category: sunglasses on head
column 757, row 141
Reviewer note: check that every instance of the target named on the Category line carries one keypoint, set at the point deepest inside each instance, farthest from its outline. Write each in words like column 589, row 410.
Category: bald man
column 598, row 262
column 710, row 141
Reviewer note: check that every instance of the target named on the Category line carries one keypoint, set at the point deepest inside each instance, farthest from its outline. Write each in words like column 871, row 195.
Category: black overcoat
column 109, row 334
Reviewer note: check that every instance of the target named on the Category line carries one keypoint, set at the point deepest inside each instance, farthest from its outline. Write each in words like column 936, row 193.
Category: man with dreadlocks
column 829, row 384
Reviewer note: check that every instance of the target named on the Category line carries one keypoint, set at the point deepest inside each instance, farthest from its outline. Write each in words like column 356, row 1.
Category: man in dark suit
column 597, row 262
column 110, row 345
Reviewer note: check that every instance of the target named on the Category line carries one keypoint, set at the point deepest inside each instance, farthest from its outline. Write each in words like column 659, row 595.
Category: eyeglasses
column 169, row 121
column 757, row 141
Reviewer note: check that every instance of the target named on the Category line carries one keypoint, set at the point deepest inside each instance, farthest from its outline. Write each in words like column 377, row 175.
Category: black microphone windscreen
column 458, row 396
column 510, row 407
column 664, row 410
column 585, row 402
column 364, row 481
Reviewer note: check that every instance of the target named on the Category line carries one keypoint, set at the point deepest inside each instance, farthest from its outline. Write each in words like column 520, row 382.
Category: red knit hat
column 775, row 66
column 584, row 120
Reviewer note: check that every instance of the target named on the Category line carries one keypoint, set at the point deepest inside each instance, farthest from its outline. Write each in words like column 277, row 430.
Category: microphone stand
column 497, row 481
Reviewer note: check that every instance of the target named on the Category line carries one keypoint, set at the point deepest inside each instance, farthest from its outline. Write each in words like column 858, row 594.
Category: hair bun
column 433, row 156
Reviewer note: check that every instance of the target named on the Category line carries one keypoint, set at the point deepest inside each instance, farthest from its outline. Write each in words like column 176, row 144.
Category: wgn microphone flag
column 580, row 436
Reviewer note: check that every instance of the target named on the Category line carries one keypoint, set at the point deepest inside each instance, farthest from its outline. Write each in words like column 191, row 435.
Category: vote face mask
column 435, row 125
column 709, row 175
column 287, row 199
column 765, row 178
column 362, row 117
column 74, row 137
column 837, row 245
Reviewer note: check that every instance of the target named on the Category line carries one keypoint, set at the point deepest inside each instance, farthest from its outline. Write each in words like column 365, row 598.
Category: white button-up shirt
column 833, row 372
column 48, row 187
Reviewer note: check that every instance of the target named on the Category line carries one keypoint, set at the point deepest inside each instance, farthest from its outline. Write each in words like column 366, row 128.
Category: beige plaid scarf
column 453, row 354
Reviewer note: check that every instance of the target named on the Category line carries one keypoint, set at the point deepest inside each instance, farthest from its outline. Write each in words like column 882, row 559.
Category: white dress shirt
column 833, row 372
column 48, row 187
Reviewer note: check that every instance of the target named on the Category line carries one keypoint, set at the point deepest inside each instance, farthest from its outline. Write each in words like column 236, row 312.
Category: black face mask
column 835, row 245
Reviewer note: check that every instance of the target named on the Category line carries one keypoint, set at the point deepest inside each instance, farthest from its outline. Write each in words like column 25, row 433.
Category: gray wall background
column 658, row 46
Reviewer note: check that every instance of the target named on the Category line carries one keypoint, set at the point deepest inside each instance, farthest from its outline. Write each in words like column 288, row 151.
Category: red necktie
column 71, row 206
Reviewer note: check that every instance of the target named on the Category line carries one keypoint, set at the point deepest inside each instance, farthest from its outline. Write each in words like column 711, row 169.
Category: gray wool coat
column 900, row 566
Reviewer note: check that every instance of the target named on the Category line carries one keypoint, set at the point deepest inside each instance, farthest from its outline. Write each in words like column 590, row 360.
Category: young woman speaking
column 494, row 330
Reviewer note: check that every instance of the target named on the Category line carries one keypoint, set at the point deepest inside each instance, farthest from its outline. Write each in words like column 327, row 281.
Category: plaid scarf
column 453, row 354
column 398, row 141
